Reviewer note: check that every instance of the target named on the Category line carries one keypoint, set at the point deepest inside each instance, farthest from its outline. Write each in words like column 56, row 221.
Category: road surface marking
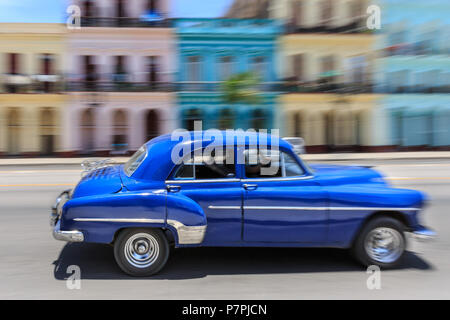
column 39, row 185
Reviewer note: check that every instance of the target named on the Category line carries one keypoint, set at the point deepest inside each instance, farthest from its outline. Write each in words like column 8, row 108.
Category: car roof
column 158, row 162
column 239, row 137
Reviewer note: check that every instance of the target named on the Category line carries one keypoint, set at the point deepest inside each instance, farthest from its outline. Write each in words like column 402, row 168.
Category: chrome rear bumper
column 424, row 234
column 70, row 236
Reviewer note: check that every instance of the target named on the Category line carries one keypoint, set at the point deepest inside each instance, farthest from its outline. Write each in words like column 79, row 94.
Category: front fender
column 99, row 217
column 351, row 205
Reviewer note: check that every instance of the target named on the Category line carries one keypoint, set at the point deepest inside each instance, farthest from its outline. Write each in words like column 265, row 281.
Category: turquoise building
column 209, row 51
column 413, row 72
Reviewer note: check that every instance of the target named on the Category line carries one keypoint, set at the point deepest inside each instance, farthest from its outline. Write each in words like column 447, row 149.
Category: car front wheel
column 141, row 252
column 381, row 242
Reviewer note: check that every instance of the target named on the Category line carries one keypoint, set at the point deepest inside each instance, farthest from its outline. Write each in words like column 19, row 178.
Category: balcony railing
column 110, row 86
column 333, row 87
column 357, row 26
column 21, row 83
column 116, row 22
column 214, row 86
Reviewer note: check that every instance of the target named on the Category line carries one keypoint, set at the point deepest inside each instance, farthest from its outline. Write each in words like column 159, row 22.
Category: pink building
column 120, row 65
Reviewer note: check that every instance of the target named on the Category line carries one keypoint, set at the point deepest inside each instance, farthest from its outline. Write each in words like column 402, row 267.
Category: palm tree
column 241, row 88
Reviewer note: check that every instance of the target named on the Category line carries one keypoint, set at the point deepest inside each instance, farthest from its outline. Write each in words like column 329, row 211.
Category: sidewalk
column 307, row 157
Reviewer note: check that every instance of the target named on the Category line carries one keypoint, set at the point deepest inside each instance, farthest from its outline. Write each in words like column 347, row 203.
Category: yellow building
column 31, row 99
column 326, row 58
column 325, row 62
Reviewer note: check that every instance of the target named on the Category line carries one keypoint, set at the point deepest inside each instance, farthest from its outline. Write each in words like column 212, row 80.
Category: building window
column 13, row 61
column 194, row 69
column 152, row 124
column 259, row 66
column 47, row 124
column 152, row 5
column 225, row 67
column 190, row 117
column 153, row 72
column 326, row 13
column 226, row 119
column 120, row 139
column 13, row 122
column 87, row 125
column 120, row 74
column 258, row 119
column 298, row 64
column 120, row 9
column 297, row 11
column 297, row 124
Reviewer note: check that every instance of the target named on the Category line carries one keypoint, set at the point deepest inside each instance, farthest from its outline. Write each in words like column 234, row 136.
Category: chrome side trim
column 328, row 208
column 278, row 179
column 120, row 220
column 225, row 207
column 201, row 181
column 186, row 234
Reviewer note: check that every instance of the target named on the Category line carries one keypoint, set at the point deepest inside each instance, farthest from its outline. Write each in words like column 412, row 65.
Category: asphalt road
column 34, row 266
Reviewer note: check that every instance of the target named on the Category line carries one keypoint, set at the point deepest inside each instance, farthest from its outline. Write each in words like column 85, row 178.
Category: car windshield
column 135, row 161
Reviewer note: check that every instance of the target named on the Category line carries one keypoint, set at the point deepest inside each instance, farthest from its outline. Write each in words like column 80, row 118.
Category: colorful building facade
column 210, row 51
column 119, row 77
column 413, row 73
column 31, row 101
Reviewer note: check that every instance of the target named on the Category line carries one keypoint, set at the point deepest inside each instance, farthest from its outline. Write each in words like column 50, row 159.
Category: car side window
column 270, row 164
column 202, row 167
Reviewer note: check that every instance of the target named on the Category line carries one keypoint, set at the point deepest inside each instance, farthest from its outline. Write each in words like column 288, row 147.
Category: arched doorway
column 87, row 128
column 297, row 125
column 151, row 124
column 190, row 116
column 13, row 123
column 226, row 119
column 120, row 128
column 329, row 130
column 47, row 131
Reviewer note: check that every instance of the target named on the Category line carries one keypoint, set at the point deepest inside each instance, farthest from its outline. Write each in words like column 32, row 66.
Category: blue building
column 414, row 72
column 209, row 52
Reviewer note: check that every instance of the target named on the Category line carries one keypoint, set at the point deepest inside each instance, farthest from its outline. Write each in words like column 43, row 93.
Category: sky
column 54, row 11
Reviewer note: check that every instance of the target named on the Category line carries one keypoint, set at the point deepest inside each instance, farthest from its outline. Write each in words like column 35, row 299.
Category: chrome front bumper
column 424, row 234
column 58, row 234
column 70, row 236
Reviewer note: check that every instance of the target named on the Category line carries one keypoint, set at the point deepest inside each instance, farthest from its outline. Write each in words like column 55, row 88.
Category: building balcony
column 422, row 89
column 111, row 86
column 327, row 87
column 21, row 83
column 205, row 26
column 356, row 27
column 216, row 86
column 116, row 22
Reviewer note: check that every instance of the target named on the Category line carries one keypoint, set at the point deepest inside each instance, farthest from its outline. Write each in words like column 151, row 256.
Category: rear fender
column 186, row 218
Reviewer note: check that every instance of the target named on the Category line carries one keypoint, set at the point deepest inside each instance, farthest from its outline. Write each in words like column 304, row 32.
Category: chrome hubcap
column 141, row 250
column 384, row 245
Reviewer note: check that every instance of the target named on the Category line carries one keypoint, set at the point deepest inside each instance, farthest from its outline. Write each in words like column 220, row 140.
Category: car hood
column 341, row 174
column 100, row 181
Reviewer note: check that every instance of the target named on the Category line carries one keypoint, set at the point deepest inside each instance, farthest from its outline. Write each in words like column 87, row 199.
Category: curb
column 436, row 155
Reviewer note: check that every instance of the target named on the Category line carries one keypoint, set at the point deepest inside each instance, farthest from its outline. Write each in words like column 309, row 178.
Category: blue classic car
column 248, row 190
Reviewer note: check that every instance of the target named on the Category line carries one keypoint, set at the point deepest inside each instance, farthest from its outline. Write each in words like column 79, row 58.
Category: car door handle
column 171, row 188
column 250, row 186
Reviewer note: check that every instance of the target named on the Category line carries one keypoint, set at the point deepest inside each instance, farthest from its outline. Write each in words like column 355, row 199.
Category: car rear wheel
column 141, row 252
column 381, row 242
